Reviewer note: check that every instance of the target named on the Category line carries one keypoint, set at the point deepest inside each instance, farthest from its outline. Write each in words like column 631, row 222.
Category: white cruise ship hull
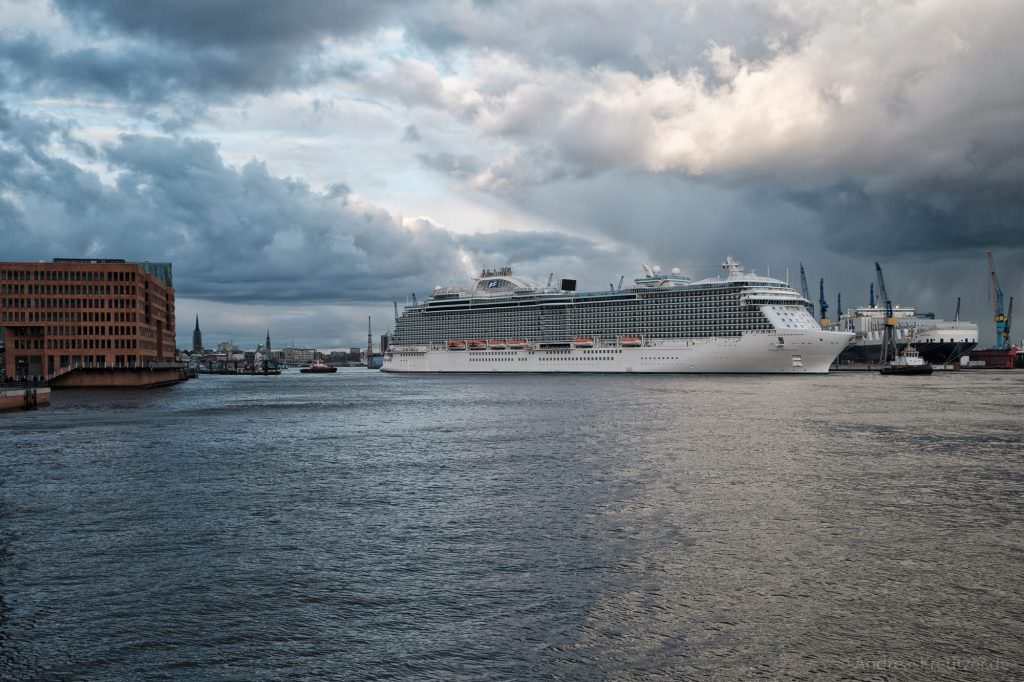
column 799, row 352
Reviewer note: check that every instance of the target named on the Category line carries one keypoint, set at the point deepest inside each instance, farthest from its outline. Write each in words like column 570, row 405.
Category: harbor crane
column 996, row 292
column 822, row 304
column 889, row 351
column 956, row 315
column 803, row 286
column 871, row 294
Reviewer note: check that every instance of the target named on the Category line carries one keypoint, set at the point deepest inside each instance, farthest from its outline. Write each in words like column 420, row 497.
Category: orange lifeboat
column 631, row 342
column 516, row 344
column 476, row 344
column 496, row 344
column 456, row 345
column 584, row 342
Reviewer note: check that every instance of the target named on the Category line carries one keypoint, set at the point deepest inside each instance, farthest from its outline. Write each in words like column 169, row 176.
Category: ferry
column 739, row 322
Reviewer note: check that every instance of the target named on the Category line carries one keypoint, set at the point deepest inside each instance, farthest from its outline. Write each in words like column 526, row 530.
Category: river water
column 365, row 526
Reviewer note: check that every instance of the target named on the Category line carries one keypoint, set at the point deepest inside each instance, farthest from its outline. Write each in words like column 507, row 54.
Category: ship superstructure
column 741, row 322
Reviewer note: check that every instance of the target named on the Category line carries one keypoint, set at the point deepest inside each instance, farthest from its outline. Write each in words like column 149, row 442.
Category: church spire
column 268, row 341
column 197, row 338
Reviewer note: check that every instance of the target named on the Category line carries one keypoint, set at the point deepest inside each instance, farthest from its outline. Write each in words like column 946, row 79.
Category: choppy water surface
column 367, row 526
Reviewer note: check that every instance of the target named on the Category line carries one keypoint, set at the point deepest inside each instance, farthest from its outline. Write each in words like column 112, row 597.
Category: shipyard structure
column 87, row 322
column 938, row 341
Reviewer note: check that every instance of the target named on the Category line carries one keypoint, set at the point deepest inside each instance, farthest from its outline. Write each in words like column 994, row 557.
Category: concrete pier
column 23, row 396
column 121, row 377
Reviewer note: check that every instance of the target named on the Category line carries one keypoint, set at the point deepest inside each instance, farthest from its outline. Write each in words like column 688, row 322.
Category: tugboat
column 908, row 362
column 319, row 367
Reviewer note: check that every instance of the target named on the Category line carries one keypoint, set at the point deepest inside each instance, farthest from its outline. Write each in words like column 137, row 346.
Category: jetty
column 24, row 395
column 150, row 376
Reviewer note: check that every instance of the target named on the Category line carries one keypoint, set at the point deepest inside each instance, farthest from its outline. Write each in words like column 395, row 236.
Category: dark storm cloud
column 935, row 216
column 256, row 24
column 233, row 234
column 187, row 54
column 146, row 74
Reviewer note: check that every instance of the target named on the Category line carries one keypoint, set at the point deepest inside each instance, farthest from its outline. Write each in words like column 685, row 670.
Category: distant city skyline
column 307, row 164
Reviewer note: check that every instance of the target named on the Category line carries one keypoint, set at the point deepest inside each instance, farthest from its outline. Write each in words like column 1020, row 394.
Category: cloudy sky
column 306, row 163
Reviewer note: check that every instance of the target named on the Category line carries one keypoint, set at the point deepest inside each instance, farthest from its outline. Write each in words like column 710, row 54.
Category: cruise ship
column 663, row 323
column 938, row 341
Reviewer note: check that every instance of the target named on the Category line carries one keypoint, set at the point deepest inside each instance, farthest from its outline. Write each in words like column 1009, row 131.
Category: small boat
column 319, row 367
column 496, row 344
column 631, row 342
column 476, row 345
column 516, row 344
column 456, row 345
column 584, row 342
column 908, row 362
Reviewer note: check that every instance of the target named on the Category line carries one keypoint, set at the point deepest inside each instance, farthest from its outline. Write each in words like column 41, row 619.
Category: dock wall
column 121, row 377
column 24, row 398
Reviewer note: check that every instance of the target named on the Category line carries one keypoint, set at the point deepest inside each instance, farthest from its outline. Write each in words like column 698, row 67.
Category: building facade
column 299, row 356
column 67, row 313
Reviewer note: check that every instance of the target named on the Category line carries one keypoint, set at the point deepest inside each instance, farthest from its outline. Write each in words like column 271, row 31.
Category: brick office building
column 68, row 313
